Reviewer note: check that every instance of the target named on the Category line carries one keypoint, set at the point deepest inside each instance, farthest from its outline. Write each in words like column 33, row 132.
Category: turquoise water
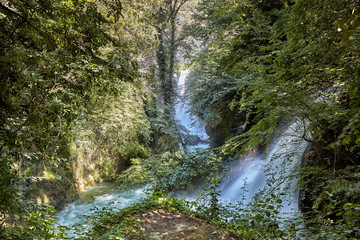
column 100, row 195
column 248, row 175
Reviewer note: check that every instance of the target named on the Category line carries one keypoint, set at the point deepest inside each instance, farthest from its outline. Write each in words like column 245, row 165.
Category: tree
column 227, row 85
column 70, row 81
column 167, row 31
column 287, row 61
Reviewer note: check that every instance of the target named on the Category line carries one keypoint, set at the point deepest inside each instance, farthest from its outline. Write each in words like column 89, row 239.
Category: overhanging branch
column 18, row 15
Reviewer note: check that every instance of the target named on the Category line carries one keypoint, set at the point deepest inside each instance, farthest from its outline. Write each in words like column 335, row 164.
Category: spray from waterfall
column 266, row 173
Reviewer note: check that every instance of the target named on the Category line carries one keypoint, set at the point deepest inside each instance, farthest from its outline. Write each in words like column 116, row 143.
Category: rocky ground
column 162, row 224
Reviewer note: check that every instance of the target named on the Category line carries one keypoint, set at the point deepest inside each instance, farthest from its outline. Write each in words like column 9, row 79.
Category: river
column 248, row 175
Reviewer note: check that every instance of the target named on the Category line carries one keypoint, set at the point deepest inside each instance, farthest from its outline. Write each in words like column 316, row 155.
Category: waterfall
column 271, row 172
column 268, row 172
column 102, row 194
column 183, row 116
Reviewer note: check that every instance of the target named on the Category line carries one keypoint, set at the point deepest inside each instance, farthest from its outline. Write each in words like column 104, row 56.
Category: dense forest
column 88, row 95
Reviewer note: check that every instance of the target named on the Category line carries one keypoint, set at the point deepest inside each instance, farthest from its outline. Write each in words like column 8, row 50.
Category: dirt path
column 168, row 225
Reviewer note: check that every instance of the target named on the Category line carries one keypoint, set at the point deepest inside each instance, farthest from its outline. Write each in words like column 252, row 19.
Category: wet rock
column 192, row 140
column 216, row 135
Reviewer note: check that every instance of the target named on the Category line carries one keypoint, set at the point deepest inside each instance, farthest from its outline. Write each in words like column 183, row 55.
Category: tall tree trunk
column 172, row 52
column 161, row 61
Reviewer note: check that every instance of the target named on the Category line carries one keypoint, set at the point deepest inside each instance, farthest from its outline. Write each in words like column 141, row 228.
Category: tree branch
column 18, row 15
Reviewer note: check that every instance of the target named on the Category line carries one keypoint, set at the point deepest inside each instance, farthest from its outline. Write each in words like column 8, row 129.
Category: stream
column 267, row 171
column 182, row 108
column 97, row 196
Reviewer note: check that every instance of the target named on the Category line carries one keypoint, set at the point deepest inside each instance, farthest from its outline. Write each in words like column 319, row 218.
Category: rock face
column 192, row 140
column 231, row 124
column 56, row 191
column 216, row 135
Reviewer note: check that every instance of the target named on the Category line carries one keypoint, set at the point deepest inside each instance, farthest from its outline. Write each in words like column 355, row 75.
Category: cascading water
column 243, row 180
column 182, row 114
column 268, row 171
column 102, row 194
column 271, row 172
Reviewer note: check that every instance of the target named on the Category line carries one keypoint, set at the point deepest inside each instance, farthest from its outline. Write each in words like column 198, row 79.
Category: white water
column 260, row 172
column 97, row 196
column 243, row 180
column 182, row 108
column 102, row 194
column 272, row 172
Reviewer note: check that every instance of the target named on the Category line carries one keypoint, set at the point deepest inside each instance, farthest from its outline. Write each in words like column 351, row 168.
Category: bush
column 155, row 170
column 203, row 164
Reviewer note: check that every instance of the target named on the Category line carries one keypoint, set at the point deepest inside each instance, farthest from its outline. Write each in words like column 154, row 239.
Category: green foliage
column 202, row 164
column 114, row 132
column 172, row 171
column 168, row 31
column 209, row 94
column 275, row 67
column 37, row 224
column 231, row 85
column 281, row 61
column 261, row 220
column 207, row 205
column 8, row 190
column 165, row 130
column 156, row 170
column 72, row 97
column 338, row 208
column 333, row 211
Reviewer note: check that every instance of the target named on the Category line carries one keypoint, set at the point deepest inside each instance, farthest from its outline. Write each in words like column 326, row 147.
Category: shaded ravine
column 268, row 171
column 101, row 195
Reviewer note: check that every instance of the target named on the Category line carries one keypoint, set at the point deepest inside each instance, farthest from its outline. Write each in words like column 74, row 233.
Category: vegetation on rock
column 87, row 95
column 265, row 64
